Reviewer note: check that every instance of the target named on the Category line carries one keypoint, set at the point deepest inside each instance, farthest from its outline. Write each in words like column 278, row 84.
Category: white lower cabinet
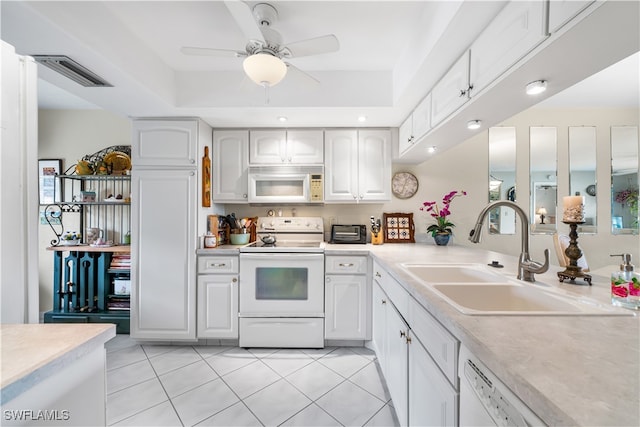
column 347, row 298
column 217, row 297
column 432, row 400
column 416, row 364
column 389, row 335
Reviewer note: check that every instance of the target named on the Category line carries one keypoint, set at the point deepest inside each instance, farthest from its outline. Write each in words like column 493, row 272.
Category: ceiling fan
column 264, row 53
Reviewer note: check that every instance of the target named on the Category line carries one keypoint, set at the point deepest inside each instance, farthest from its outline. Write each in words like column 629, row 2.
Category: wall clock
column 404, row 185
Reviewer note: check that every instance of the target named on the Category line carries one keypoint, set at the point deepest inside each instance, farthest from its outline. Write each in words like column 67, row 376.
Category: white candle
column 573, row 208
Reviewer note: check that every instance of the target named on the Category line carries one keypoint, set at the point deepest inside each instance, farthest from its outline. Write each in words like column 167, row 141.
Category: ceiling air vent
column 72, row 70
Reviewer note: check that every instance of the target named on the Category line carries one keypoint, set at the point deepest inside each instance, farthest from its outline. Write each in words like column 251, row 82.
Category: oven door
column 281, row 285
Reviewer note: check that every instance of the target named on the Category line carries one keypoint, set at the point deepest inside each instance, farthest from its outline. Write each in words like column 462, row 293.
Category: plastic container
column 625, row 285
column 239, row 238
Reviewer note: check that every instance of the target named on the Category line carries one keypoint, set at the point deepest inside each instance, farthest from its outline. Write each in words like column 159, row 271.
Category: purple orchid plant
column 442, row 225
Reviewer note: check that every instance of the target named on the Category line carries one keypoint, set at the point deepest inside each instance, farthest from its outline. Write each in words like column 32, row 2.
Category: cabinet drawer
column 346, row 265
column 217, row 264
column 394, row 290
column 441, row 345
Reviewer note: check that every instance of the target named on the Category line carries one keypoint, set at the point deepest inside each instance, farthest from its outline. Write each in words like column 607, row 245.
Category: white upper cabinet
column 514, row 32
column 452, row 91
column 563, row 11
column 405, row 134
column 374, row 165
column 165, row 142
column 416, row 125
column 341, row 167
column 230, row 166
column 269, row 147
column 358, row 166
column 422, row 118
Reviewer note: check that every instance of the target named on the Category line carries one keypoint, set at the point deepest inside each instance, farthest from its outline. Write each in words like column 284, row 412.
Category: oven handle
column 281, row 255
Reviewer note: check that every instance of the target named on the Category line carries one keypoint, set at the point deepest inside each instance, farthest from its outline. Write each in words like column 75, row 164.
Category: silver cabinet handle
column 346, row 264
column 384, row 301
column 244, row 196
column 216, row 264
column 378, row 274
column 192, row 161
column 234, row 280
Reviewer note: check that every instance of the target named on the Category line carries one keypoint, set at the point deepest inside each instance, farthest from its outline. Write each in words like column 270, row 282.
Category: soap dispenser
column 625, row 285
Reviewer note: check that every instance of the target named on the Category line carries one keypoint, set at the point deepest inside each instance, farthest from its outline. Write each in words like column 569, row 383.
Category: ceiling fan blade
column 315, row 46
column 206, row 51
column 294, row 71
column 243, row 16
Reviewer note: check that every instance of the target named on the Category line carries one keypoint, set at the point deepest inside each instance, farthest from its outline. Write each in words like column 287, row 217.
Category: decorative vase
column 442, row 239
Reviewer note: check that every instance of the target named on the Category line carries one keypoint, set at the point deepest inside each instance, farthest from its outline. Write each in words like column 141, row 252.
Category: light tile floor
column 164, row 385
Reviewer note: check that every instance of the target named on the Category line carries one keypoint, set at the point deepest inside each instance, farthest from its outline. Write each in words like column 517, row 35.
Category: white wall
column 69, row 135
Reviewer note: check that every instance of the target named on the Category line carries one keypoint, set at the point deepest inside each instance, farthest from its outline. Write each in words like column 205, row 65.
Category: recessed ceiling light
column 362, row 119
column 536, row 87
column 432, row 149
column 474, row 124
column 282, row 118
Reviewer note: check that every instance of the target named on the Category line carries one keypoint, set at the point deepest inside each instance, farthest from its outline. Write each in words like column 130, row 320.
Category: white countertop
column 34, row 352
column 570, row 370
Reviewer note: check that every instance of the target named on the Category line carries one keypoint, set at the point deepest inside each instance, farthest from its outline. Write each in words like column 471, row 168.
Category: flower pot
column 442, row 239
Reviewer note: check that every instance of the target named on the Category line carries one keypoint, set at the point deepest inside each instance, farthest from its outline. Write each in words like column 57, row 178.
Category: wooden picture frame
column 398, row 228
column 49, row 186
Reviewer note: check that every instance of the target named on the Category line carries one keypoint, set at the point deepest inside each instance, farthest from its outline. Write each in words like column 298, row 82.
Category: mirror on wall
column 502, row 178
column 542, row 177
column 624, row 179
column 582, row 172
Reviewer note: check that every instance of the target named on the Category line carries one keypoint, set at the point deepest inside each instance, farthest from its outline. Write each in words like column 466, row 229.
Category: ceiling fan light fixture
column 264, row 69
column 536, row 87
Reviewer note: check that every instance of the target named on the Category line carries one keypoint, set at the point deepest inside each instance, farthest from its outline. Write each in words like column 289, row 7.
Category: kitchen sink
column 474, row 291
column 452, row 273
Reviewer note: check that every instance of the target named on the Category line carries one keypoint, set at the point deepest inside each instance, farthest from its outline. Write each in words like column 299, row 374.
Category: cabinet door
column 231, row 165
column 346, row 305
column 517, row 29
column 374, row 165
column 378, row 324
column 432, row 400
column 164, row 143
column 422, row 118
column 562, row 11
column 341, row 166
column 305, row 147
column 405, row 135
column 163, row 249
column 397, row 363
column 451, row 92
column 267, row 147
column 218, row 306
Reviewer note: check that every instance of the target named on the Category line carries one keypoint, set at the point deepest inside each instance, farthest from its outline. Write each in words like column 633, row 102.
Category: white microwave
column 286, row 184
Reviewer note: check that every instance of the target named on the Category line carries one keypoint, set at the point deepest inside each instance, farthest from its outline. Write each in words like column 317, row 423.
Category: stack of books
column 119, row 303
column 121, row 261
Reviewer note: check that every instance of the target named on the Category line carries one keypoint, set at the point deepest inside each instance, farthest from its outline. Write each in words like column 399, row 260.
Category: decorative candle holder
column 573, row 252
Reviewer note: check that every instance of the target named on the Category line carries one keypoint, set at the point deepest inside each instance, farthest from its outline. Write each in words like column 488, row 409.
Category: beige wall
column 72, row 134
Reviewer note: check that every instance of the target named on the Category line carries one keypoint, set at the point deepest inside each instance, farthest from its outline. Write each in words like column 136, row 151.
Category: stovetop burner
column 292, row 234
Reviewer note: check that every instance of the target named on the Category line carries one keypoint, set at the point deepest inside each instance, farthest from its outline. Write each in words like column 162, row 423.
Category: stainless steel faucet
column 526, row 266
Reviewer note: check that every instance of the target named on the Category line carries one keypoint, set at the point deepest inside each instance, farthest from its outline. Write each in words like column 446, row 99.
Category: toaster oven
column 348, row 234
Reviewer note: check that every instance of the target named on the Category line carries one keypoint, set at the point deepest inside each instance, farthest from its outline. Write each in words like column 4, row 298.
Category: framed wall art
column 50, row 187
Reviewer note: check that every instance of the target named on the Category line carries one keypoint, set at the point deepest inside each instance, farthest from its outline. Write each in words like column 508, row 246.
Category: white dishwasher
column 485, row 401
